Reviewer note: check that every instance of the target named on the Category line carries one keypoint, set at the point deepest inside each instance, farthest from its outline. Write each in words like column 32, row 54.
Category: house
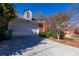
column 73, row 28
column 71, row 31
column 26, row 25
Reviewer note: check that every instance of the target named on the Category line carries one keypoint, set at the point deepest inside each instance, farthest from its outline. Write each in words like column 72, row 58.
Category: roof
column 20, row 18
column 20, row 15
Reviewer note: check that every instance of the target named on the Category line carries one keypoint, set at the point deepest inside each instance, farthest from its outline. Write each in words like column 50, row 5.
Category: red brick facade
column 71, row 31
column 43, row 27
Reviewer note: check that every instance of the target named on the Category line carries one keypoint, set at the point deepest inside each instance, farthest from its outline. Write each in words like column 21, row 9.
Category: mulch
column 68, row 41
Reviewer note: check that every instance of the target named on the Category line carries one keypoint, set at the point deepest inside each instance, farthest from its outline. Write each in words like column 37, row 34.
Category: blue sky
column 45, row 8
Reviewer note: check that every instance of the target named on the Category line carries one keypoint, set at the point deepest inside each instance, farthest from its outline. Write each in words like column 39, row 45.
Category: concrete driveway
column 57, row 49
column 35, row 46
column 51, row 48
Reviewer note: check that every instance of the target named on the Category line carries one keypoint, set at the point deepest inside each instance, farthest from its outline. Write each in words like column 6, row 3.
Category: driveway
column 51, row 48
column 35, row 46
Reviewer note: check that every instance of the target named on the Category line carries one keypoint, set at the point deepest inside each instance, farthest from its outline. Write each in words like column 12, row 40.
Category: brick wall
column 77, row 31
column 70, row 31
column 43, row 27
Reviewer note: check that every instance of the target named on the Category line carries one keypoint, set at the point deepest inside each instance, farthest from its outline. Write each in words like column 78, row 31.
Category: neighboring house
column 73, row 28
column 77, row 30
column 71, row 31
column 25, row 23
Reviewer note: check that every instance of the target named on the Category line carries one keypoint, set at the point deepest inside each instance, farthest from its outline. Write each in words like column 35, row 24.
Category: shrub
column 43, row 34
column 47, row 34
column 1, row 34
column 62, row 34
column 7, row 34
column 52, row 34
column 55, row 35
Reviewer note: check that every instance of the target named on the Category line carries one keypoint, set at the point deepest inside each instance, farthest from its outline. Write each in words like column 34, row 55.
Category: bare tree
column 39, row 16
column 57, row 21
column 75, row 14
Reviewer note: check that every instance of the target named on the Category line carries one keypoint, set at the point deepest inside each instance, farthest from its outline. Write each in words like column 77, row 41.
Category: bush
column 62, row 34
column 55, row 35
column 47, row 34
column 52, row 34
column 5, row 34
column 1, row 34
column 43, row 34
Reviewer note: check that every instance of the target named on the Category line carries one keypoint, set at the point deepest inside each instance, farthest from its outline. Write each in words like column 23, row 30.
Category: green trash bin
column 7, row 34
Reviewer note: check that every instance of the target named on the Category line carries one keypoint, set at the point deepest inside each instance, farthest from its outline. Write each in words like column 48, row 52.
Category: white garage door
column 20, row 28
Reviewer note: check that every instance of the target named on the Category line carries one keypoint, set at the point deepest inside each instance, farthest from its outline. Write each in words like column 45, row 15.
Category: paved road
column 35, row 46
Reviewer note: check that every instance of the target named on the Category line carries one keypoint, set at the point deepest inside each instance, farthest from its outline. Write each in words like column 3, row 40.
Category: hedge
column 52, row 34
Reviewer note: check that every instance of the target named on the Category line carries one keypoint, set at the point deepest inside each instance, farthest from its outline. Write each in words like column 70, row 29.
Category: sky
column 45, row 8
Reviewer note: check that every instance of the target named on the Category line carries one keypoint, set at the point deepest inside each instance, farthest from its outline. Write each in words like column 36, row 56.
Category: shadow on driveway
column 18, row 44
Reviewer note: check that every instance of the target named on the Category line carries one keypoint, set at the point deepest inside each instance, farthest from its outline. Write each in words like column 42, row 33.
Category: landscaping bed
column 52, row 34
column 67, row 41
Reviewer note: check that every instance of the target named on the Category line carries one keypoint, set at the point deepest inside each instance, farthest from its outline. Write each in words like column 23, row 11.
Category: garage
column 24, row 27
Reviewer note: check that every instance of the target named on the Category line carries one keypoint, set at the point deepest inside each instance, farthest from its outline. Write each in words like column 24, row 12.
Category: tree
column 39, row 16
column 56, row 22
column 74, row 16
column 1, row 13
column 7, row 13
